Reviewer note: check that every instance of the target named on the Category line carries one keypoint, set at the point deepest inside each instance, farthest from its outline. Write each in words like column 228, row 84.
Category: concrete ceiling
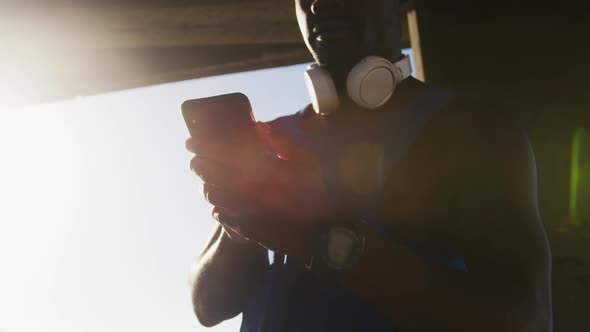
column 59, row 49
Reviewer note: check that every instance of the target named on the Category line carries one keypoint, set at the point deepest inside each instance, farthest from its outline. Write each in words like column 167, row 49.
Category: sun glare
column 100, row 217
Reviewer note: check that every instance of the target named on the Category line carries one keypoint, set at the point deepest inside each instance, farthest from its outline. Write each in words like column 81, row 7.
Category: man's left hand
column 272, row 193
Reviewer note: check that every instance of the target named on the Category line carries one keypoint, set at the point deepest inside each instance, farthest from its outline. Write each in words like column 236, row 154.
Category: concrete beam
column 56, row 49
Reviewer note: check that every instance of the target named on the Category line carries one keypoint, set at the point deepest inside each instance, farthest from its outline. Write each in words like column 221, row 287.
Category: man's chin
column 337, row 58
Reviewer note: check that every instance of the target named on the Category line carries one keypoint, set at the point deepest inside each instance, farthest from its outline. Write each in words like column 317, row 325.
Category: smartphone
column 227, row 118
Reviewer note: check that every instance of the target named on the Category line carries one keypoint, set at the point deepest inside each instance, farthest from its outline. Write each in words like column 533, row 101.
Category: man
column 445, row 236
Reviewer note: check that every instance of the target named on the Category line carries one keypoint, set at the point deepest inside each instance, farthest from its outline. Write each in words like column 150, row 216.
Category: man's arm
column 224, row 276
column 498, row 228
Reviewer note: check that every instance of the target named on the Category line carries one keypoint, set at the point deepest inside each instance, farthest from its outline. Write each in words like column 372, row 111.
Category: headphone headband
column 405, row 66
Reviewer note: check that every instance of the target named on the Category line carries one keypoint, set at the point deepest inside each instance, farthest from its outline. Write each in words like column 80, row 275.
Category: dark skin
column 469, row 182
column 338, row 34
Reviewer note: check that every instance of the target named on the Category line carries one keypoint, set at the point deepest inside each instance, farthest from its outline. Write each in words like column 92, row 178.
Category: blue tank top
column 290, row 298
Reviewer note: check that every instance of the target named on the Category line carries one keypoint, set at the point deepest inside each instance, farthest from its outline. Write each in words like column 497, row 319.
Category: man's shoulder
column 487, row 164
column 478, row 142
column 473, row 140
column 470, row 118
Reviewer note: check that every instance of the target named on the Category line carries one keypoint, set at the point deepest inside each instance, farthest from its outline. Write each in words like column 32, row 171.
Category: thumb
column 280, row 144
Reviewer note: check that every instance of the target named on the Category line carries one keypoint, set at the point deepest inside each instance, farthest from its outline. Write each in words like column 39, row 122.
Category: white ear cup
column 371, row 82
column 322, row 91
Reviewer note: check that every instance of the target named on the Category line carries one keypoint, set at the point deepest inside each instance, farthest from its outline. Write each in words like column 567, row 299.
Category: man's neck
column 340, row 73
column 405, row 91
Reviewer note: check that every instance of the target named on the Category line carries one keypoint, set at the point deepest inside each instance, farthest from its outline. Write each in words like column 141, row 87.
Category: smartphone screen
column 225, row 118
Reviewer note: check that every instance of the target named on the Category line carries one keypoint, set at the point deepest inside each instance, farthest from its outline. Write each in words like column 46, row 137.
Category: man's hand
column 272, row 193
column 235, row 237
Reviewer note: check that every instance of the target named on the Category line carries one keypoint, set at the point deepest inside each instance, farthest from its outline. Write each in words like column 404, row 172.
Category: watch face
column 343, row 247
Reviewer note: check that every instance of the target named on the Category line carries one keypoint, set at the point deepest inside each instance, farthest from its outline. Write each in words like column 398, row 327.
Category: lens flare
column 580, row 177
column 361, row 168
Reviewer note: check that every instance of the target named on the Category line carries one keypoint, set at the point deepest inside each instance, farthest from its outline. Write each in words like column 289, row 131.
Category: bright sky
column 100, row 217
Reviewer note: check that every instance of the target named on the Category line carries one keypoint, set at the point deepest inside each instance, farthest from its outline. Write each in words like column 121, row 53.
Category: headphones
column 370, row 83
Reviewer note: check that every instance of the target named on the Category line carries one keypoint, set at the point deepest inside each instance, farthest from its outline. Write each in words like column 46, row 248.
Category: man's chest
column 414, row 201
column 390, row 159
column 407, row 193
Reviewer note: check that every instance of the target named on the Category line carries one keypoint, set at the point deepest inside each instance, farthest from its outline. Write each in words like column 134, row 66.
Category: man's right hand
column 272, row 193
column 234, row 236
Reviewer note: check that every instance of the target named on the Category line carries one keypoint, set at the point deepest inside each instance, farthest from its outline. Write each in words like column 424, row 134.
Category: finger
column 188, row 145
column 200, row 146
column 236, row 237
column 218, row 213
column 223, row 216
column 232, row 154
column 281, row 144
column 212, row 149
column 247, row 168
column 238, row 176
column 230, row 225
column 227, row 200
column 212, row 171
column 234, row 224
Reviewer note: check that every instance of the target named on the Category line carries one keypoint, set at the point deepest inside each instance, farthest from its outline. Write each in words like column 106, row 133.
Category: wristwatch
column 338, row 248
